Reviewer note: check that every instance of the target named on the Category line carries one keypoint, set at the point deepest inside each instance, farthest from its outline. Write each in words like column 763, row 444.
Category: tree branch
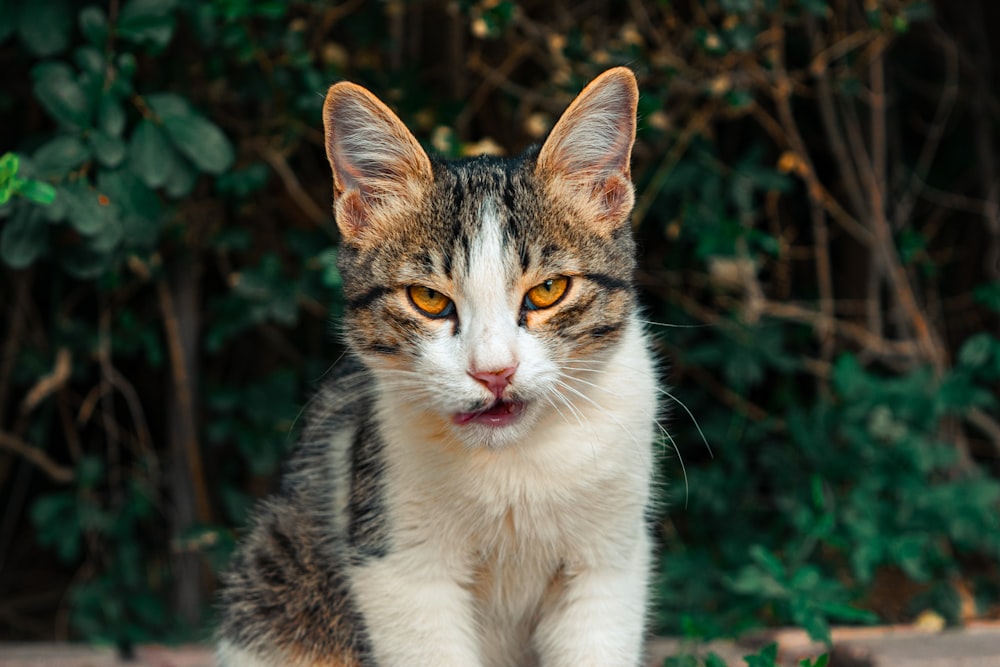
column 55, row 471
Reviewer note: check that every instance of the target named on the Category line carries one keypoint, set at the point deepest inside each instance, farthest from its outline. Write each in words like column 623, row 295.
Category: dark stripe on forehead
column 509, row 193
column 522, row 248
column 368, row 297
column 608, row 282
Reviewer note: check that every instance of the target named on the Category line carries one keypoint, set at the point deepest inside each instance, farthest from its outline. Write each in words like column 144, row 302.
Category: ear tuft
column 586, row 156
column 378, row 166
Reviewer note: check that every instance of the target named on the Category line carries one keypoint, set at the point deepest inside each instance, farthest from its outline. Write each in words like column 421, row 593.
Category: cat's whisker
column 555, row 406
column 579, row 418
column 574, row 366
column 574, row 410
column 675, row 326
column 691, row 415
column 659, row 425
column 599, row 408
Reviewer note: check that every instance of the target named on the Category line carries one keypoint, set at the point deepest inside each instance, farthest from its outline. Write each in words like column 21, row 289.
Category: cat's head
column 477, row 290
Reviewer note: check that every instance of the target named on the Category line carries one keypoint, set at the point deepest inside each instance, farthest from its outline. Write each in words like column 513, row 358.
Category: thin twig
column 831, row 126
column 987, row 424
column 895, row 272
column 927, row 152
column 50, row 467
column 182, row 387
column 50, row 383
column 697, row 124
column 821, row 238
column 293, row 187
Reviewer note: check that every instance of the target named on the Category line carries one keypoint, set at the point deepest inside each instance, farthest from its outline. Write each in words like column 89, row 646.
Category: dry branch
column 50, row 467
column 185, row 402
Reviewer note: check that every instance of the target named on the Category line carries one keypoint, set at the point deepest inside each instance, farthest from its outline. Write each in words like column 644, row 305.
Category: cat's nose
column 496, row 381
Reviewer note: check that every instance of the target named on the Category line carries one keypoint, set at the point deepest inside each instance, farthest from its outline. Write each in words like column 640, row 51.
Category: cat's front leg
column 415, row 612
column 598, row 618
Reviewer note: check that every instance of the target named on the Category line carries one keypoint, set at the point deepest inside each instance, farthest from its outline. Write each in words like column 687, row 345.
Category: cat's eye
column 546, row 294
column 430, row 302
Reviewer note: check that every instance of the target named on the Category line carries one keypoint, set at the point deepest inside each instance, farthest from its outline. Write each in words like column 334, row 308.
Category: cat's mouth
column 496, row 414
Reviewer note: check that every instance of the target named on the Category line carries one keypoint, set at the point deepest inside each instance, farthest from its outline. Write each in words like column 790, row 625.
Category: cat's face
column 483, row 292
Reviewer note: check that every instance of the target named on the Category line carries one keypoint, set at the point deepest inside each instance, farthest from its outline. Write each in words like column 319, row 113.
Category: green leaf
column 168, row 104
column 768, row 561
column 193, row 135
column 150, row 154
column 45, row 26
column 148, row 21
column 821, row 661
column 805, row 615
column 61, row 95
column 93, row 24
column 110, row 150
column 713, row 660
column 988, row 295
column 37, row 191
column 818, row 8
column 56, row 520
column 9, row 165
column 24, row 237
column 89, row 471
column 91, row 61
column 848, row 376
column 766, row 657
column 199, row 140
column 140, row 209
column 848, row 613
column 181, row 179
column 111, row 116
column 60, row 156
column 89, row 213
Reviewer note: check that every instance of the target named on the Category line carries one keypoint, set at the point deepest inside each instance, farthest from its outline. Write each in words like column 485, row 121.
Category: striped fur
column 432, row 518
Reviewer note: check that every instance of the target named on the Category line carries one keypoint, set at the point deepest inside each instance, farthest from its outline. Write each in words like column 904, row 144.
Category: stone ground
column 977, row 645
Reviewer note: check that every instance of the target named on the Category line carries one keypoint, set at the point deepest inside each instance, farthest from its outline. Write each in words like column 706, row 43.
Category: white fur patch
column 570, row 494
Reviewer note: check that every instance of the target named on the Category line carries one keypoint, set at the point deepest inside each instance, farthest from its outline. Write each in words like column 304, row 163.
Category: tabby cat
column 470, row 488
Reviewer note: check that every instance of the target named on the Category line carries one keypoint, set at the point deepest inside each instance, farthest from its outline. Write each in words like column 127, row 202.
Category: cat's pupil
column 430, row 302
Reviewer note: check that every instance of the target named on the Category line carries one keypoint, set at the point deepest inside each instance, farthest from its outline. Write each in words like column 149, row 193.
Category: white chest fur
column 499, row 533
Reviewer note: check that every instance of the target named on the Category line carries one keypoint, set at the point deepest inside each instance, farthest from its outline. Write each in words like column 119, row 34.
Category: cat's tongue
column 500, row 413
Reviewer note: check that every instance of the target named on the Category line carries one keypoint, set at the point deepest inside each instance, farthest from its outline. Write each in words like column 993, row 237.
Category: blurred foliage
column 766, row 657
column 818, row 219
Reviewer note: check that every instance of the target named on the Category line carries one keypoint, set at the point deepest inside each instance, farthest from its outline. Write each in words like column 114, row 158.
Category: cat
column 471, row 487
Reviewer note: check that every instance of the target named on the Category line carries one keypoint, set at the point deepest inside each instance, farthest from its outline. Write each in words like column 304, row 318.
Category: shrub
column 817, row 216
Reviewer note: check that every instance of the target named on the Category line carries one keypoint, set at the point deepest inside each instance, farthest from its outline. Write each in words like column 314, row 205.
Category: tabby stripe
column 609, row 282
column 368, row 297
column 602, row 331
column 367, row 530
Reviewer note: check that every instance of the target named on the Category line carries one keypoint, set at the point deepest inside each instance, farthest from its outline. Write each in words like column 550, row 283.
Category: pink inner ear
column 615, row 195
column 351, row 211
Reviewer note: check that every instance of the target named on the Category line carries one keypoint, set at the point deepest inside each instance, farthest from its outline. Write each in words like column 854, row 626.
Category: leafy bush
column 816, row 208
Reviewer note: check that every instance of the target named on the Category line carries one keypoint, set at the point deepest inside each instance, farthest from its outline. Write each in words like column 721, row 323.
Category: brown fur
column 407, row 219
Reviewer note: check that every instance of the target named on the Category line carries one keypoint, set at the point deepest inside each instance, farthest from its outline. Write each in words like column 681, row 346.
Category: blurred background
column 817, row 215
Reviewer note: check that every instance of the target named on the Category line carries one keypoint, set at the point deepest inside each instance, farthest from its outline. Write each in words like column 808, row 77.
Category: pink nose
column 496, row 381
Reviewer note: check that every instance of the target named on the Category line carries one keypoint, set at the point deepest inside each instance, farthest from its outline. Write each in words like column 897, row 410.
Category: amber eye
column 546, row 294
column 430, row 302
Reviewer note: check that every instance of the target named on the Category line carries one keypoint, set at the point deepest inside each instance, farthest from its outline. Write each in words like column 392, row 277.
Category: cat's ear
column 585, row 160
column 379, row 168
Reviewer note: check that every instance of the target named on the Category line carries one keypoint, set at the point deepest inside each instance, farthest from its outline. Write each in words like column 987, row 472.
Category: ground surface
column 977, row 645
